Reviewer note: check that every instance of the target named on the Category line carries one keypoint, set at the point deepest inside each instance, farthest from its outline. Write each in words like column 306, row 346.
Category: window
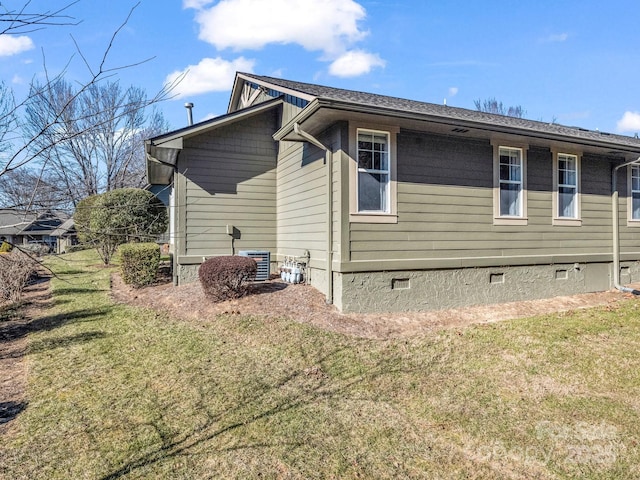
column 567, row 186
column 374, row 174
column 635, row 192
column 510, row 182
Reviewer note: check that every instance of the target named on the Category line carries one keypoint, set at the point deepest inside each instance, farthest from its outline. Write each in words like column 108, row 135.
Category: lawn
column 121, row 392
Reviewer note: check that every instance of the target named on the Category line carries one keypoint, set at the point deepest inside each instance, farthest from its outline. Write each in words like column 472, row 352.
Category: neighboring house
column 65, row 236
column 401, row 205
column 20, row 228
column 11, row 224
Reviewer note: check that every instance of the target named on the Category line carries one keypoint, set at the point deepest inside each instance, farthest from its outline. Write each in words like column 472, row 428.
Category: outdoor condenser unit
column 263, row 259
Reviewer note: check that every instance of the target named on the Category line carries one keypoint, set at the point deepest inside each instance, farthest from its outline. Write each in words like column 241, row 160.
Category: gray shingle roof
column 12, row 221
column 443, row 111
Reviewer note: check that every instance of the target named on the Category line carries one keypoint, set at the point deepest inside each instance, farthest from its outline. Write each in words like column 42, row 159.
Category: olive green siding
column 301, row 206
column 227, row 178
column 302, row 203
column 445, row 207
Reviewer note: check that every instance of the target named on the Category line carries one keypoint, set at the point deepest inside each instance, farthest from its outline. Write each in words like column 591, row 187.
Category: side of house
column 223, row 197
column 401, row 205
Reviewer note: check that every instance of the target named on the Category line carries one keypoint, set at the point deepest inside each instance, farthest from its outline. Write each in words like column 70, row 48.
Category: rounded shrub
column 227, row 277
column 139, row 263
column 125, row 215
column 82, row 218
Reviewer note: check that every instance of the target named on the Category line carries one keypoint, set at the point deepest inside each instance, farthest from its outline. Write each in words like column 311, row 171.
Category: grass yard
column 116, row 392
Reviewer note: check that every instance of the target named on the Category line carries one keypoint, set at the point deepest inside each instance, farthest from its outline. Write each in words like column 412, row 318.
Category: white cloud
column 354, row 63
column 197, row 4
column 556, row 37
column 210, row 75
column 10, row 45
column 208, row 116
column 453, row 91
column 630, row 122
column 329, row 26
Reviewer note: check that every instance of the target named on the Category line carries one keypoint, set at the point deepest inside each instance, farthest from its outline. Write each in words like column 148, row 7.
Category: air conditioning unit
column 263, row 259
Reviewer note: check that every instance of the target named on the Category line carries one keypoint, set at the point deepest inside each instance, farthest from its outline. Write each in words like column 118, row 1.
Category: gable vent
column 460, row 130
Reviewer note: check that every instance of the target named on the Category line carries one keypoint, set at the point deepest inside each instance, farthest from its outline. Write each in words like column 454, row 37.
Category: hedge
column 140, row 263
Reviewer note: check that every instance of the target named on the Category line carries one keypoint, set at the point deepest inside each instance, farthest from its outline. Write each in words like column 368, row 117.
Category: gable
column 249, row 91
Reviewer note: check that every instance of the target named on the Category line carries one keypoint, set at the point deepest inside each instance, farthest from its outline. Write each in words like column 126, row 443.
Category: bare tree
column 19, row 21
column 64, row 119
column 29, row 189
column 491, row 105
column 91, row 141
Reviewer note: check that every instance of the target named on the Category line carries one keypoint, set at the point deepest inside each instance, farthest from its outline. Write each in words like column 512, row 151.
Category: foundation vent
column 496, row 278
column 263, row 259
column 400, row 284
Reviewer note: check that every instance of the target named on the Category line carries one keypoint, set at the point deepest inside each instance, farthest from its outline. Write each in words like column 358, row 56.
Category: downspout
column 616, row 229
column 327, row 153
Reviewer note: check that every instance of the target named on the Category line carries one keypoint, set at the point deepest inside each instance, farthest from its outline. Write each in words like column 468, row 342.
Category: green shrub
column 139, row 263
column 82, row 218
column 225, row 277
column 5, row 247
column 125, row 215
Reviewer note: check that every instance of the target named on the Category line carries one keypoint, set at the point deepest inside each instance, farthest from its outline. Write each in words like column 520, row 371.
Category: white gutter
column 329, row 165
column 616, row 228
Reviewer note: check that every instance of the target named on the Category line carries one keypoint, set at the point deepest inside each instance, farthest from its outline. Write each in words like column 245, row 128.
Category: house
column 65, row 236
column 23, row 228
column 11, row 224
column 395, row 204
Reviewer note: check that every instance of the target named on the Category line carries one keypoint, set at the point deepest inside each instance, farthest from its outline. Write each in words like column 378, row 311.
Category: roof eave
column 287, row 131
column 162, row 151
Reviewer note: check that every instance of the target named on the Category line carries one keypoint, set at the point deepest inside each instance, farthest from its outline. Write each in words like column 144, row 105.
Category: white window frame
column 633, row 171
column 389, row 214
column 521, row 217
column 386, row 172
column 558, row 219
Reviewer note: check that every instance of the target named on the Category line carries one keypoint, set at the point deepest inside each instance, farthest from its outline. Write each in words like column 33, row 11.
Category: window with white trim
column 567, row 186
column 374, row 171
column 510, row 180
column 635, row 192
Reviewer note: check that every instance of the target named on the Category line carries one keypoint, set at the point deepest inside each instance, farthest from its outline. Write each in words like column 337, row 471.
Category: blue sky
column 573, row 62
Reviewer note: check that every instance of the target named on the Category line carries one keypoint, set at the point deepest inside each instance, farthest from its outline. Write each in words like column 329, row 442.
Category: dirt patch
column 13, row 349
column 305, row 304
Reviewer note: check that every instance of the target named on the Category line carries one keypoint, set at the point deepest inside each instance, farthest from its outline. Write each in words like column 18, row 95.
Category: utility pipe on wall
column 616, row 228
column 329, row 165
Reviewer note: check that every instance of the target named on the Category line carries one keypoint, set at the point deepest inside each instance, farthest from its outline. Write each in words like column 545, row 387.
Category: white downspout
column 329, row 165
column 616, row 229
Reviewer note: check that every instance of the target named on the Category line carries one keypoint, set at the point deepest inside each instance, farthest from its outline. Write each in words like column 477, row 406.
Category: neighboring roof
column 68, row 226
column 13, row 221
column 394, row 105
column 45, row 223
column 16, row 222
